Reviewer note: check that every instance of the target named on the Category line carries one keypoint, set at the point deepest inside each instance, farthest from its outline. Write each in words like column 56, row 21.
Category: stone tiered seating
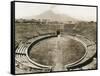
column 22, row 49
column 90, row 51
column 37, row 38
column 24, row 60
column 86, row 41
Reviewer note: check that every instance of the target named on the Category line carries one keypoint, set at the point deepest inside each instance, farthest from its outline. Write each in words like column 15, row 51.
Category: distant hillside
column 55, row 17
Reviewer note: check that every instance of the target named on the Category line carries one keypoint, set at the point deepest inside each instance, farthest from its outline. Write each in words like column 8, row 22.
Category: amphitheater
column 49, row 52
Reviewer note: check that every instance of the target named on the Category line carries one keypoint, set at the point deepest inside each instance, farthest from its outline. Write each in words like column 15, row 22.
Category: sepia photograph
column 51, row 37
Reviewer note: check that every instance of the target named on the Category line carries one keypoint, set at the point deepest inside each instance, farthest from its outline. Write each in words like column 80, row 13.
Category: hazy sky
column 23, row 10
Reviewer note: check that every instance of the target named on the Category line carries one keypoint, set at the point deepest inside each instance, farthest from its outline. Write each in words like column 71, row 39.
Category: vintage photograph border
column 13, row 33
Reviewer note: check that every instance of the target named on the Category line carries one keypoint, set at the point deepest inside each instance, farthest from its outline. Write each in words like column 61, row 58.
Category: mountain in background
column 50, row 15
